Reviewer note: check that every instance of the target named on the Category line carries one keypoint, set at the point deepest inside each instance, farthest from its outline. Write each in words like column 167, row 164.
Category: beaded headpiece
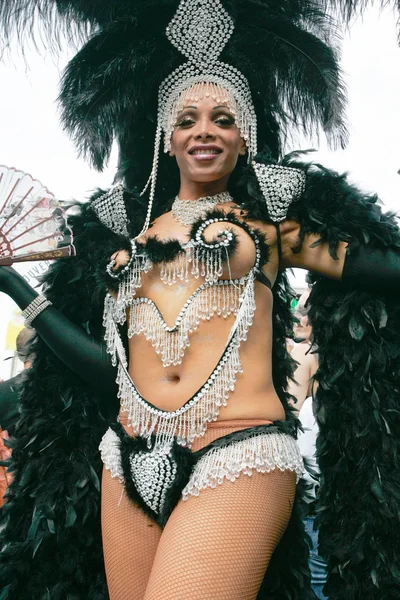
column 200, row 29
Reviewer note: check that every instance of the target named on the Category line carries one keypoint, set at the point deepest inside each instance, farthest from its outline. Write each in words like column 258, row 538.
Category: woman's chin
column 206, row 175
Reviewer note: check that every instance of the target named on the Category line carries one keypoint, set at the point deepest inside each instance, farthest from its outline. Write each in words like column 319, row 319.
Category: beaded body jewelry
column 216, row 296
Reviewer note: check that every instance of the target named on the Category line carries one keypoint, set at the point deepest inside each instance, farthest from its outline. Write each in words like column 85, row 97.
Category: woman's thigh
column 130, row 542
column 218, row 545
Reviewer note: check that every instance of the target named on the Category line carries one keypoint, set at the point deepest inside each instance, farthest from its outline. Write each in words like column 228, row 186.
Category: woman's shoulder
column 302, row 352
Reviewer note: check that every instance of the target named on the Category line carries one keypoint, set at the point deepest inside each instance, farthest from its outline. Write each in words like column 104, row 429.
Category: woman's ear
column 243, row 148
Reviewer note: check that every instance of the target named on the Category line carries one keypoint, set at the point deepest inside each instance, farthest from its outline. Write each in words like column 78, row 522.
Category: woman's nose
column 204, row 134
column 204, row 130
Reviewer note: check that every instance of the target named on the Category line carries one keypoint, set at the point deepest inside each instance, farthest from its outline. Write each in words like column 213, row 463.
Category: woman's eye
column 225, row 121
column 184, row 122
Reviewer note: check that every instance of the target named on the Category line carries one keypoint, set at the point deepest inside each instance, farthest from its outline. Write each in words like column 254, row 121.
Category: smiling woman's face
column 206, row 141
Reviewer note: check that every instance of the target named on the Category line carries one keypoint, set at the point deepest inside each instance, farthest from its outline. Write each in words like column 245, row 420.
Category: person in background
column 303, row 388
column 9, row 394
column 5, row 455
column 303, row 354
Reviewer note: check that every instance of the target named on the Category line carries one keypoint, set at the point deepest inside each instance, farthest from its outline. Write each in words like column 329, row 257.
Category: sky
column 32, row 140
column 31, row 137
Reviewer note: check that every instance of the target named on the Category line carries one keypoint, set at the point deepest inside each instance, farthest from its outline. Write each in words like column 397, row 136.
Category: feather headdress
column 286, row 51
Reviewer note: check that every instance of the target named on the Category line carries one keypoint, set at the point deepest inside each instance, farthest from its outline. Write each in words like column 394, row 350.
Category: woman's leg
column 130, row 542
column 218, row 545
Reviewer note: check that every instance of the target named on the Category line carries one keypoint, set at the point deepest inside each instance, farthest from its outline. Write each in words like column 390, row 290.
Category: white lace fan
column 33, row 225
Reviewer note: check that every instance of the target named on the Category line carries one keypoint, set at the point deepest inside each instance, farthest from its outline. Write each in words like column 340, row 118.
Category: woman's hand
column 121, row 258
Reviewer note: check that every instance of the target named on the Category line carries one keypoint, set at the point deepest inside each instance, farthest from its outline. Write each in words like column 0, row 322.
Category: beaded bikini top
column 216, row 296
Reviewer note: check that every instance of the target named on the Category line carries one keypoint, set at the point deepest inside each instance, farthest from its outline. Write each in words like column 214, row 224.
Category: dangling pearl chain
column 187, row 212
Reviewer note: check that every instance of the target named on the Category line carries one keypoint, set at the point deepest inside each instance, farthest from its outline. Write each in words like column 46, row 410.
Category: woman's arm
column 365, row 266
column 311, row 256
column 301, row 387
column 81, row 352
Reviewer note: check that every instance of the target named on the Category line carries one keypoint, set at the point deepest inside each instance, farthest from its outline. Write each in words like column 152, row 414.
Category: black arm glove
column 373, row 268
column 82, row 353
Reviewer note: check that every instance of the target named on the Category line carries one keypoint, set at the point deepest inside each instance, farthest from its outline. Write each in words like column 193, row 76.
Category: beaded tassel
column 190, row 421
column 113, row 341
column 261, row 453
column 221, row 298
column 244, row 318
column 196, row 262
column 133, row 280
column 178, row 269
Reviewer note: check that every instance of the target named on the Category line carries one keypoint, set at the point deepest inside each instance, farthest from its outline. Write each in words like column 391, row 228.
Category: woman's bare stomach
column 169, row 388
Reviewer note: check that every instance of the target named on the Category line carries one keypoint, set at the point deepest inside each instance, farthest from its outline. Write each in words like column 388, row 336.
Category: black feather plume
column 347, row 10
column 286, row 50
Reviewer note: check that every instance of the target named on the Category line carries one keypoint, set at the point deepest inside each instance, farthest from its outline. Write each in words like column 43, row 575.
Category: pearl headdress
column 200, row 29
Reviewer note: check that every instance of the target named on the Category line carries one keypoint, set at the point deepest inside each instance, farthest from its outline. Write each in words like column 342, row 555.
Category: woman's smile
column 205, row 152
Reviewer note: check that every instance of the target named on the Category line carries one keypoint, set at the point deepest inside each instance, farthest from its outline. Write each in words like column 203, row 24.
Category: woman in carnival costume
column 190, row 297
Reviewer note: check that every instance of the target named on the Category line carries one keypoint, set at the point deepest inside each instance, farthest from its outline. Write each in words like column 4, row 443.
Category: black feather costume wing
column 357, row 402
column 53, row 501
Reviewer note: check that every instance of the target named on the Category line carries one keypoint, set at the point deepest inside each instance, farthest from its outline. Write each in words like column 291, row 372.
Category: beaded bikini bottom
column 156, row 475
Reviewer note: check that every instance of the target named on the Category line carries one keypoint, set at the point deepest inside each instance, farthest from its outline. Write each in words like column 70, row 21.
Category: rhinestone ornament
column 153, row 473
column 279, row 186
column 110, row 209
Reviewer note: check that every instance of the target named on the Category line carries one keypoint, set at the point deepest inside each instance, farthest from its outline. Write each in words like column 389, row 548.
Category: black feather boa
column 51, row 544
column 357, row 403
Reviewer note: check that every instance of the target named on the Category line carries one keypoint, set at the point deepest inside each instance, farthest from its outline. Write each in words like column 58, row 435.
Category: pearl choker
column 187, row 212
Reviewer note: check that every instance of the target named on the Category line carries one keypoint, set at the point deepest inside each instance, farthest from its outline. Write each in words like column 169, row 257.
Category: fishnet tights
column 215, row 546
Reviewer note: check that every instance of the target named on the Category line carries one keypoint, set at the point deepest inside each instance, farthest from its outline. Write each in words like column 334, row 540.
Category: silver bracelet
column 35, row 308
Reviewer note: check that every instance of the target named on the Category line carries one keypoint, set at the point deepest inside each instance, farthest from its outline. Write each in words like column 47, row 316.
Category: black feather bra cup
column 275, row 67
